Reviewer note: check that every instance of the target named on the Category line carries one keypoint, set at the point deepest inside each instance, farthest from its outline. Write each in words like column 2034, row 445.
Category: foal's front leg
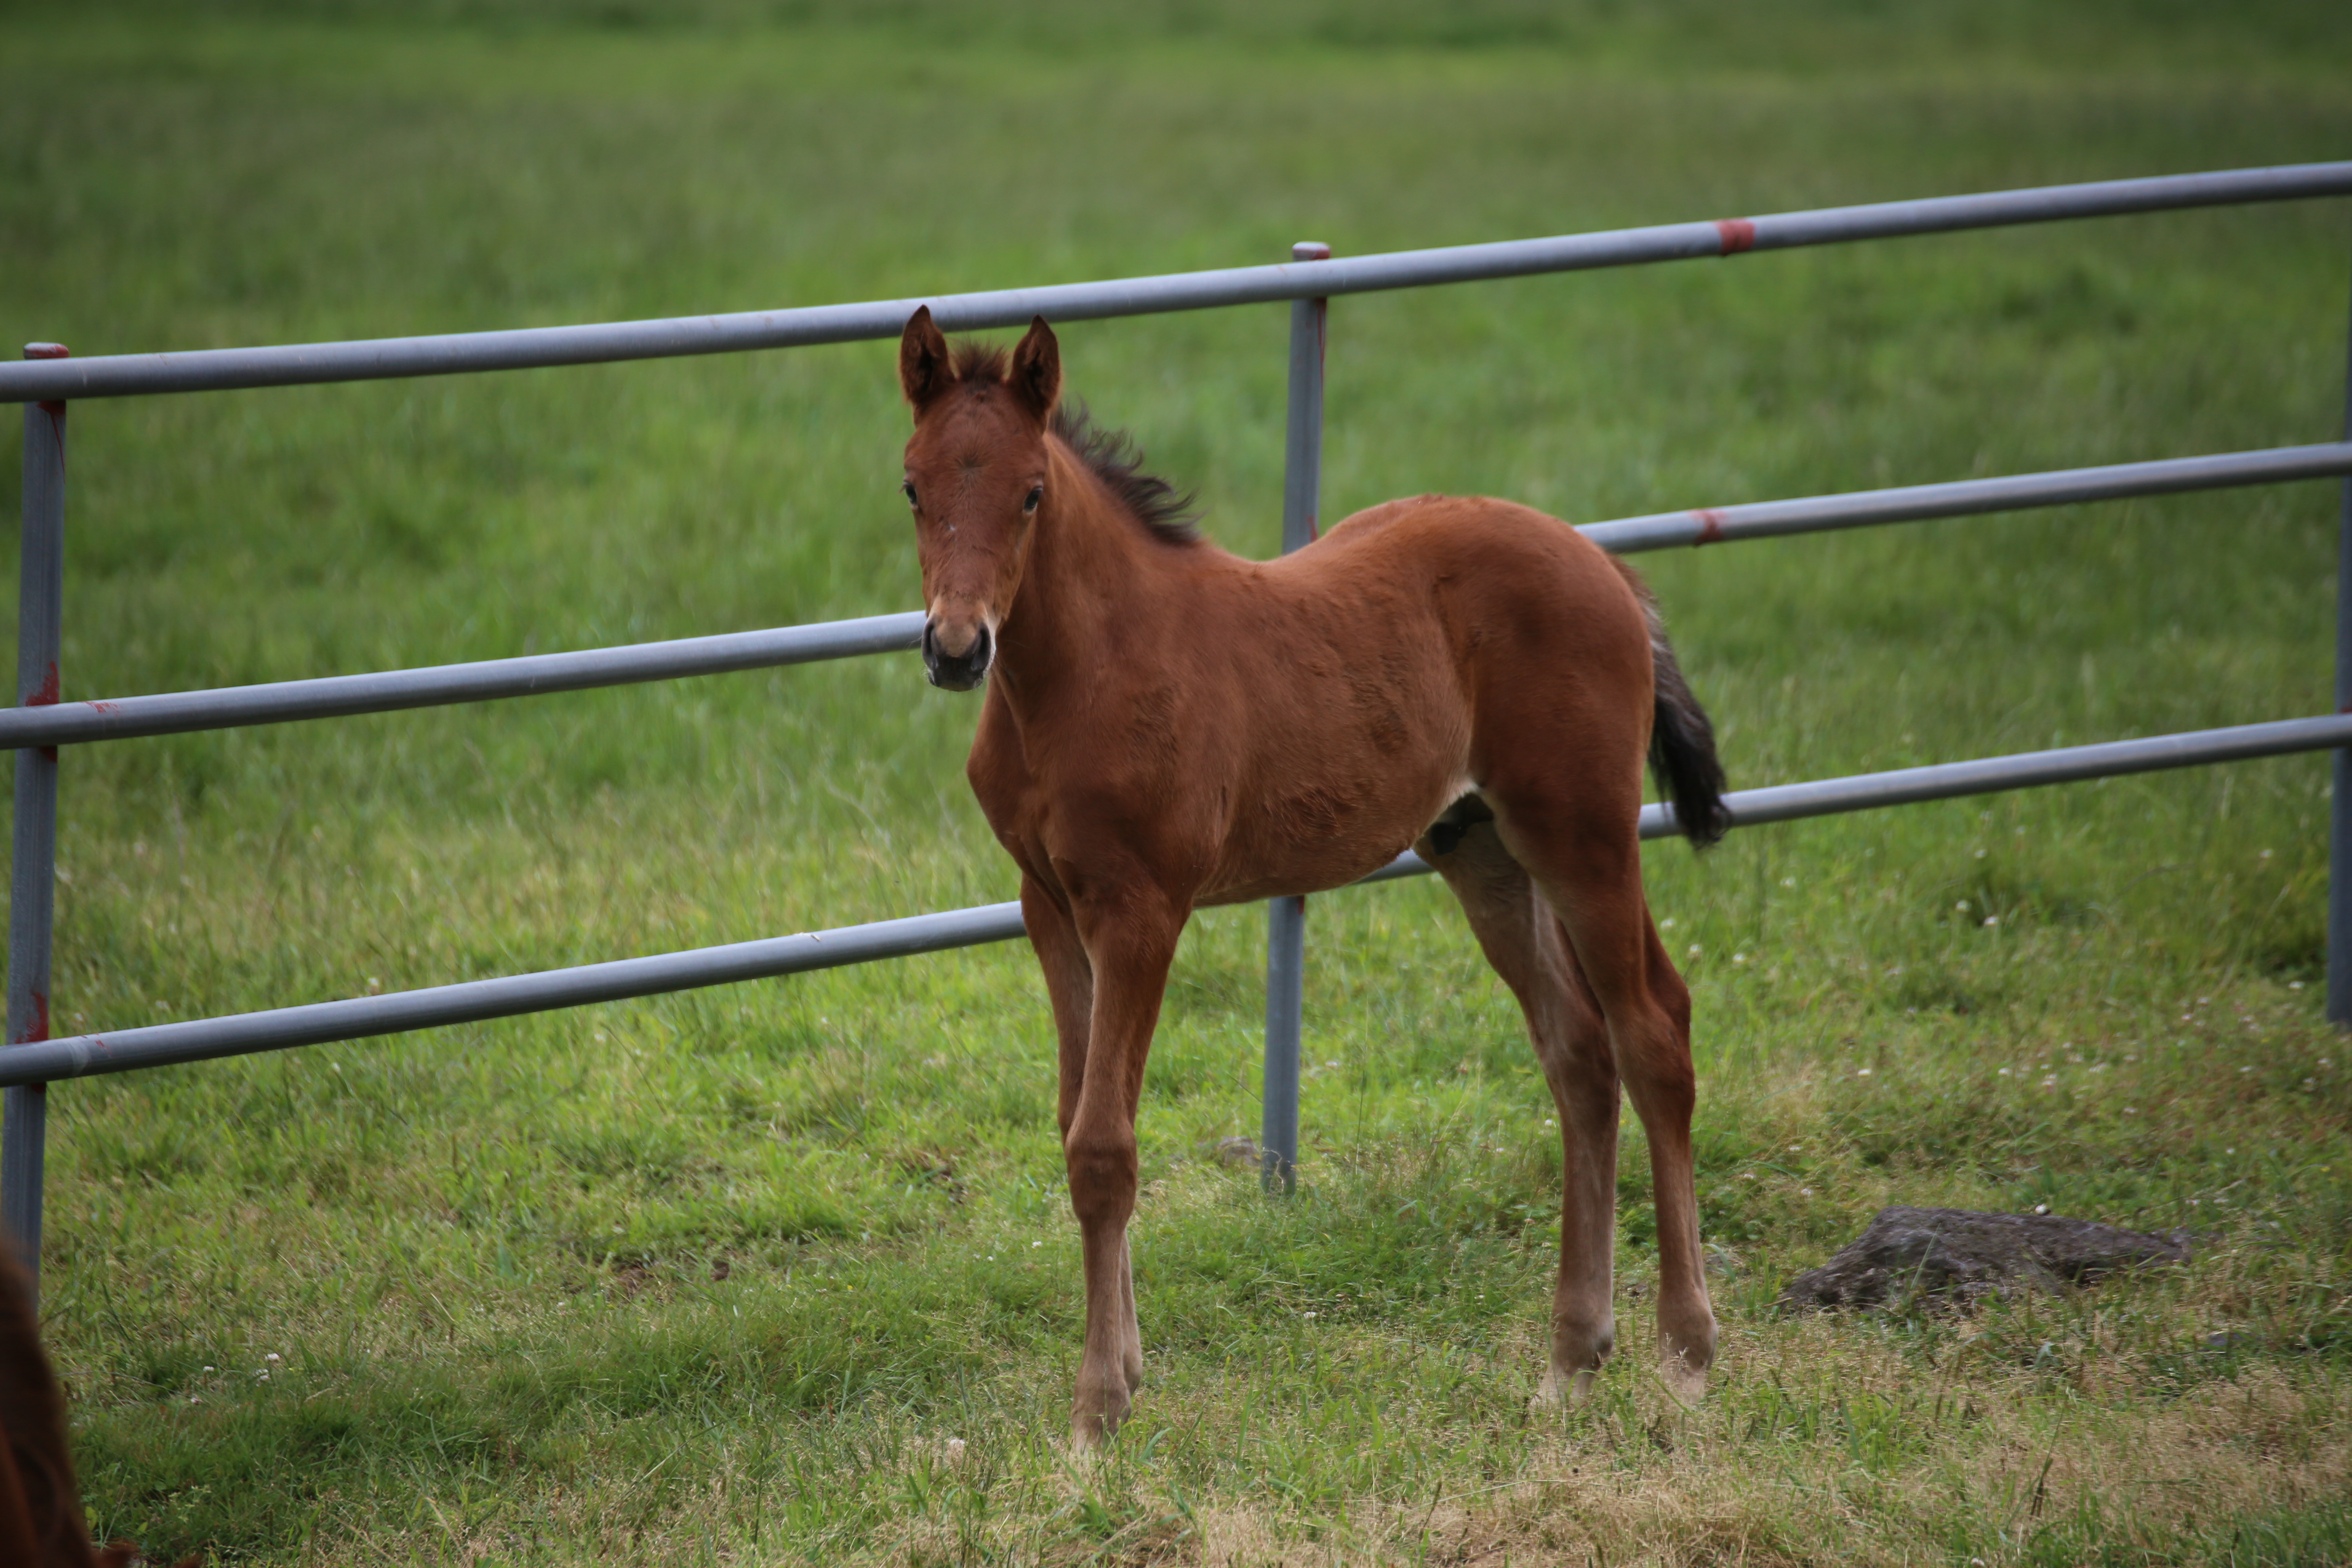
column 1070, row 986
column 1130, row 947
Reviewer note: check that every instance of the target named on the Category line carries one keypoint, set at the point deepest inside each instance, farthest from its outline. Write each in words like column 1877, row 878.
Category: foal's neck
column 1093, row 573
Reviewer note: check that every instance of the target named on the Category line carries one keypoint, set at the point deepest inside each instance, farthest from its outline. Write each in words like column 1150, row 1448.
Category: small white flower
column 1739, row 958
column 1666, row 924
column 2004, row 1072
column 1788, row 881
column 273, row 1356
column 2041, row 1208
column 1309, row 1315
column 1804, row 1192
column 1962, row 906
column 1861, row 1072
column 1693, row 950
column 2131, row 1110
column 955, row 1449
column 1992, row 920
column 1035, row 1245
column 2294, row 984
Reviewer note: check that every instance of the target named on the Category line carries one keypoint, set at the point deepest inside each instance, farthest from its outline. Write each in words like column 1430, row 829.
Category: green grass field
column 785, row 1272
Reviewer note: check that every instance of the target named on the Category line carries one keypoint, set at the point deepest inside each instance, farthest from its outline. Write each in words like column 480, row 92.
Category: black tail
column 1681, row 742
column 1682, row 754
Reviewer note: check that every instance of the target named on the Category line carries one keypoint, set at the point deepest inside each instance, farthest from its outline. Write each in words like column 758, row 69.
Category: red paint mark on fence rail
column 1738, row 234
column 1710, row 527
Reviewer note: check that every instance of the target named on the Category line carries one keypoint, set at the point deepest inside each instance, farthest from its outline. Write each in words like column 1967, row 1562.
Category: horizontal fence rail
column 357, row 1017
column 2015, row 492
column 213, row 369
column 387, row 691
column 1989, row 775
column 343, row 695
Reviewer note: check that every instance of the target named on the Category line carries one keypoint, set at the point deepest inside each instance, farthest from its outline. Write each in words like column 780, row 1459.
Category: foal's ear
column 1037, row 370
column 923, row 371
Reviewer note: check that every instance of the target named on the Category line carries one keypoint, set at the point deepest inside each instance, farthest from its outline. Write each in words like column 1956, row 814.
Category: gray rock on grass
column 1911, row 1254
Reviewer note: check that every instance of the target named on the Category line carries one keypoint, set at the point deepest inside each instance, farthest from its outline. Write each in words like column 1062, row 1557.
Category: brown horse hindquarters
column 1434, row 645
column 1556, row 656
column 1362, row 686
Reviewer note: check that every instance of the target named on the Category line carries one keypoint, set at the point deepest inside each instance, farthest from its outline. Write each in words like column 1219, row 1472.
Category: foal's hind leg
column 1587, row 864
column 1523, row 939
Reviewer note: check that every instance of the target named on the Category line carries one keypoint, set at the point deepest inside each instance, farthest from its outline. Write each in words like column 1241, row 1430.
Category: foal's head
column 975, row 477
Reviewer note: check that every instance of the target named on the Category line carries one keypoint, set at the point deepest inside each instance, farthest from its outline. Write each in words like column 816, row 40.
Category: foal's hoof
column 1686, row 1382
column 1095, row 1418
column 1561, row 1390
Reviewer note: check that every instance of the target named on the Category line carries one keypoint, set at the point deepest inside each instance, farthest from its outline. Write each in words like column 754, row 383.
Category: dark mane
column 1112, row 458
column 979, row 361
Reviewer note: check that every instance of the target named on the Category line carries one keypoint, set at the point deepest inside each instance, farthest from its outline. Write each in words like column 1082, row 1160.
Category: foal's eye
column 910, row 488
column 1036, row 494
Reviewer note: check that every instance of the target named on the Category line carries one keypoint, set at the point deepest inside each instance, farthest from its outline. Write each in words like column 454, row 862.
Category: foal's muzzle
column 957, row 671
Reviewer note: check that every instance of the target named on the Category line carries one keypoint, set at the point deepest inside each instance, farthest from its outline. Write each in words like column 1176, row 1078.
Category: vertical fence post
column 2339, row 835
column 32, row 895
column 1286, row 922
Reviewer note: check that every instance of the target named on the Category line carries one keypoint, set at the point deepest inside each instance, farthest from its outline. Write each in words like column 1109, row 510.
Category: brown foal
column 1169, row 726
column 40, row 1503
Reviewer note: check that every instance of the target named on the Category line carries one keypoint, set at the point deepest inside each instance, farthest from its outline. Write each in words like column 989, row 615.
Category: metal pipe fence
column 309, row 364
column 41, row 722
column 1286, row 917
column 534, row 675
column 359, row 1017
